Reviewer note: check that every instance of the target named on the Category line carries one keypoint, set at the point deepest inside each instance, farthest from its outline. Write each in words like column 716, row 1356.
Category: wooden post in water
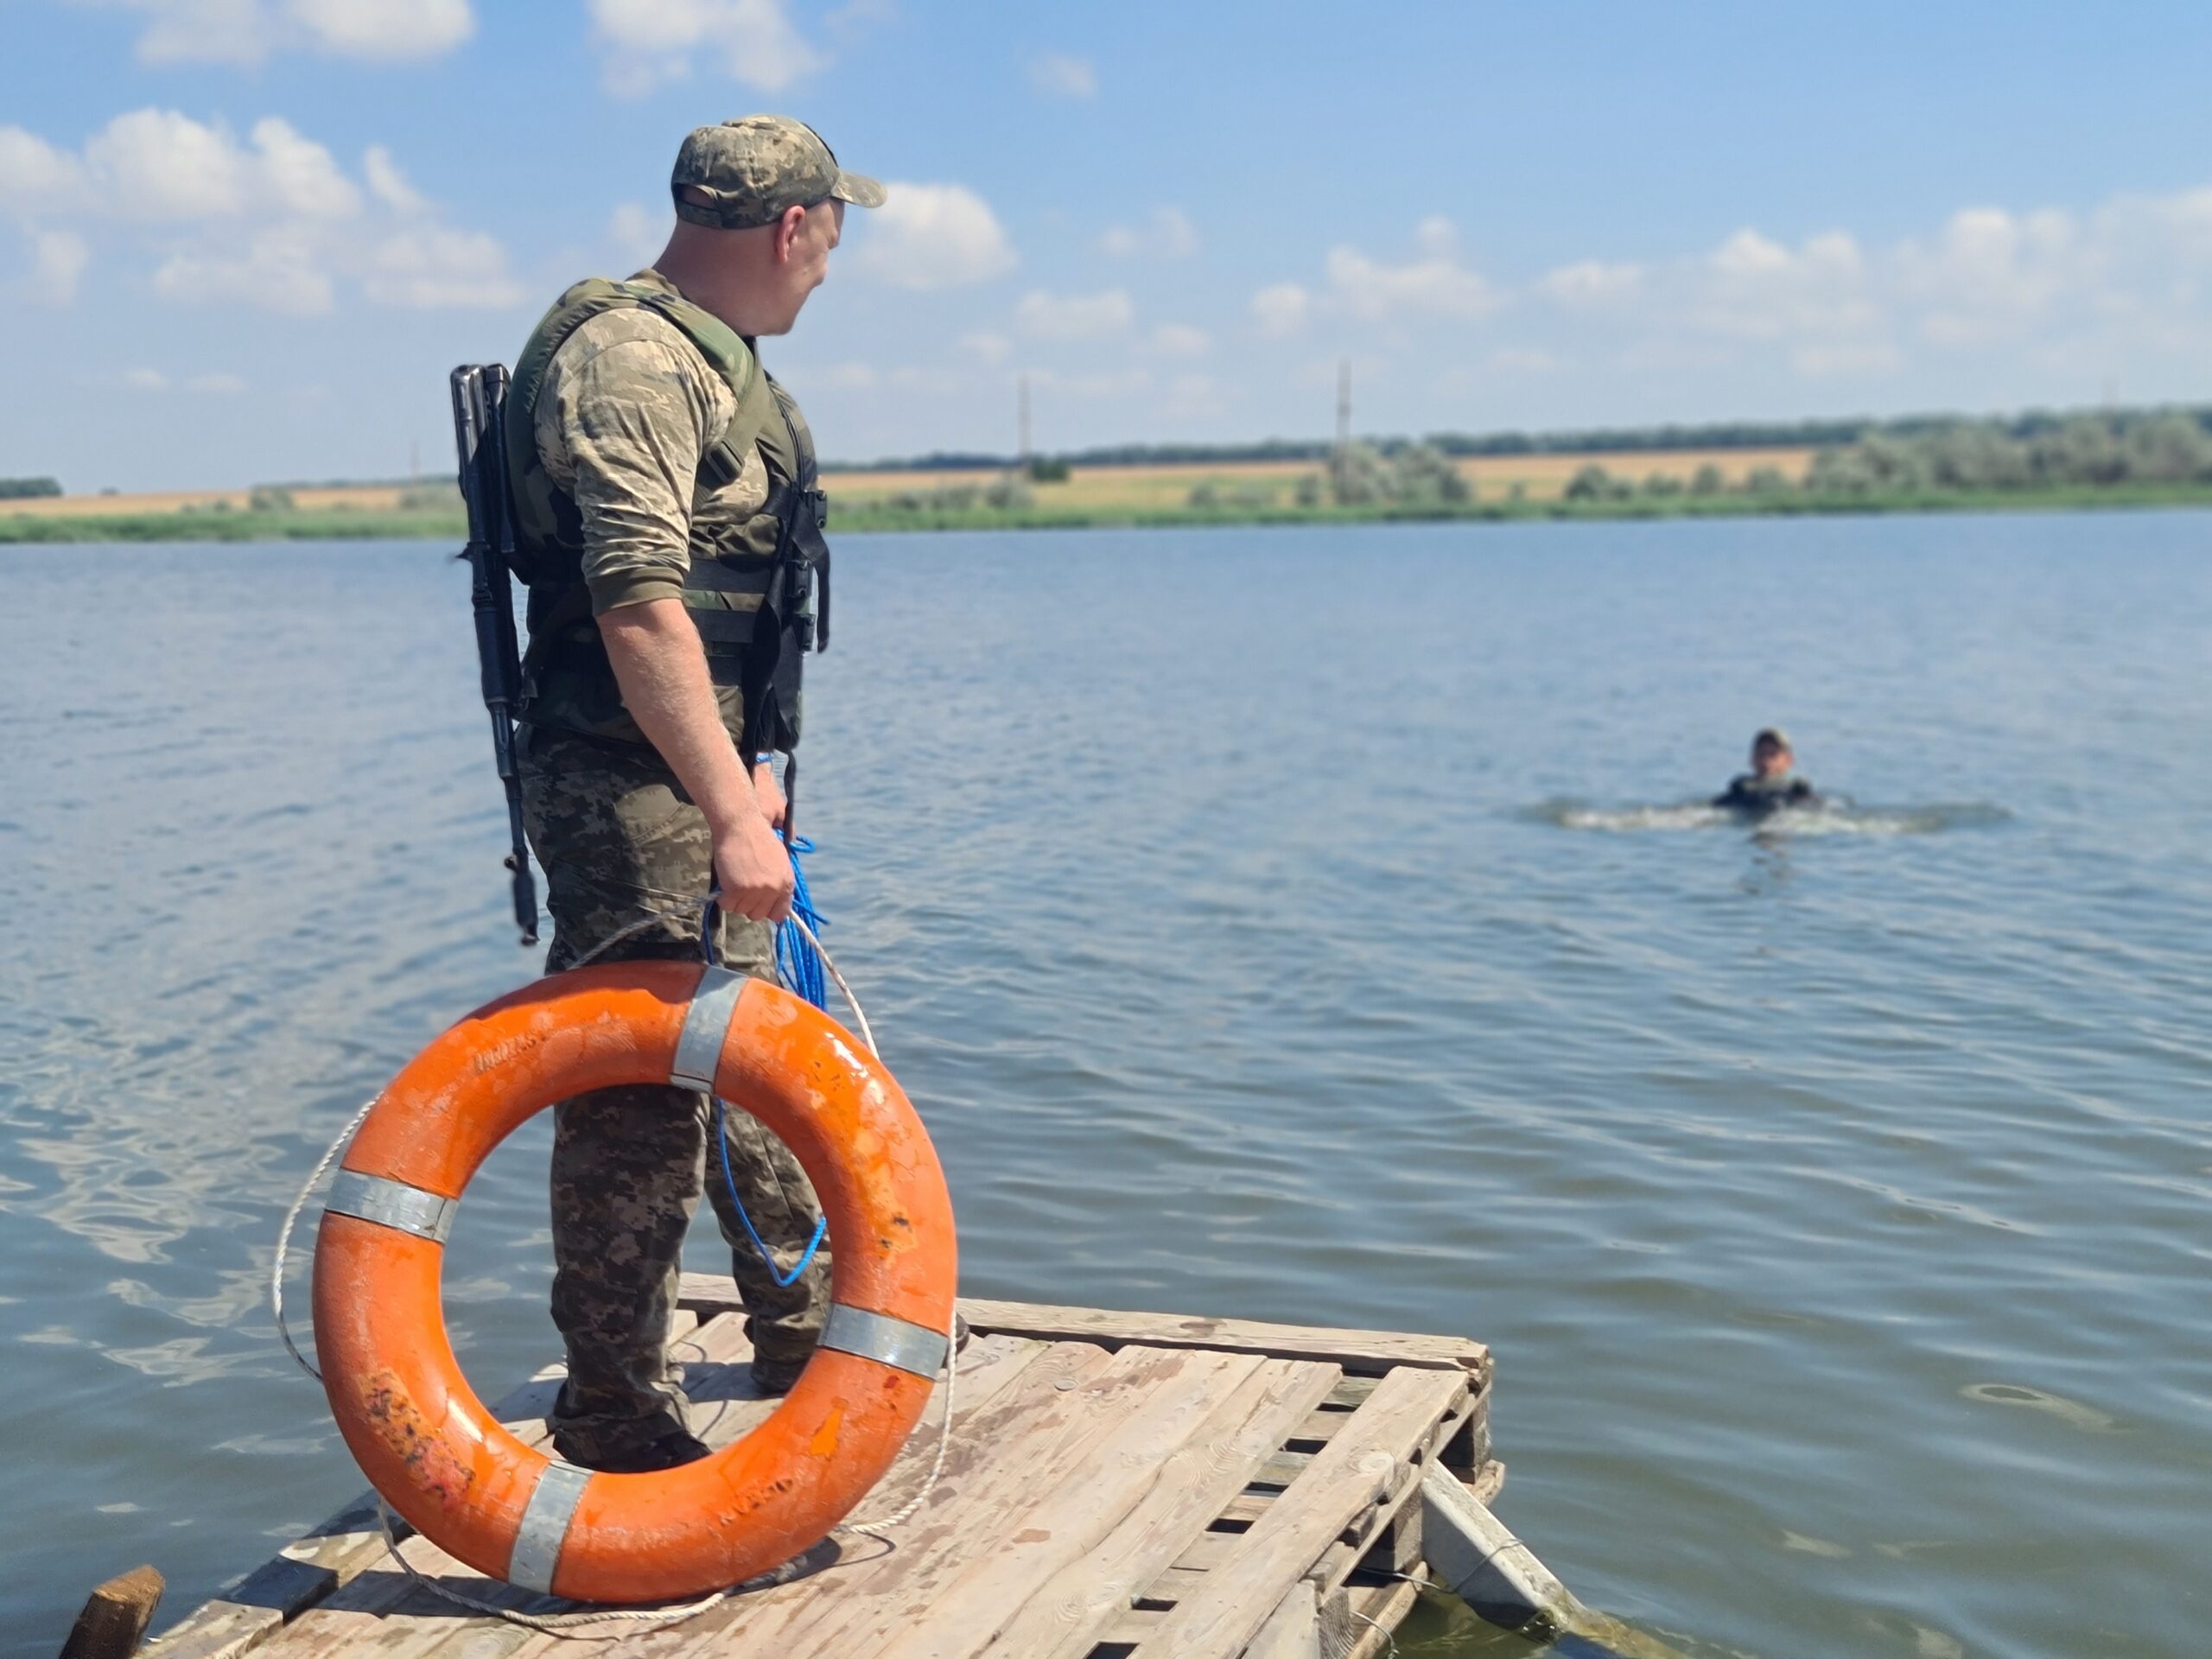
column 116, row 1617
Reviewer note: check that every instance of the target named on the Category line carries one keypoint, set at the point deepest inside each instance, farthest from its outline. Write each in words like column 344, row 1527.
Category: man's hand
column 770, row 794
column 754, row 870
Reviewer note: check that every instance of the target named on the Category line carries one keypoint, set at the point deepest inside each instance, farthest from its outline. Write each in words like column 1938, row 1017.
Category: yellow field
column 1111, row 488
column 1104, row 489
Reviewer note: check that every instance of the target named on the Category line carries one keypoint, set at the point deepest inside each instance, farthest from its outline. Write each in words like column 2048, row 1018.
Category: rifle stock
column 480, row 396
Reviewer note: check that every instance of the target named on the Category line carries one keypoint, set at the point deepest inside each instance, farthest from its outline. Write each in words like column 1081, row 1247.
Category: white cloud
column 1282, row 308
column 252, row 31
column 638, row 232
column 989, row 346
column 1592, row 283
column 1074, row 316
column 389, row 185
column 1106, row 383
column 934, row 382
column 280, row 271
column 651, row 42
column 1180, row 339
column 930, row 236
column 1990, row 273
column 58, row 261
column 265, row 222
column 34, row 174
column 220, row 383
column 1192, row 397
column 844, row 376
column 1168, row 234
column 1435, row 285
column 1817, row 300
column 160, row 165
column 384, row 30
column 1523, row 359
column 204, row 31
column 1059, row 74
column 301, row 175
column 433, row 267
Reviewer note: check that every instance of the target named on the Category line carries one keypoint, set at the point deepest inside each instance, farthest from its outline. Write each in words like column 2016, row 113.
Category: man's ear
column 789, row 229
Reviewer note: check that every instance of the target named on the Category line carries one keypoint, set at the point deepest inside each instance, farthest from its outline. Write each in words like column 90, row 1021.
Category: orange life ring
column 419, row 1432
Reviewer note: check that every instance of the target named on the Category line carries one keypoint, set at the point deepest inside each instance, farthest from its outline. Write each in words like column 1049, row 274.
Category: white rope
column 859, row 1018
column 284, row 1239
column 564, row 1626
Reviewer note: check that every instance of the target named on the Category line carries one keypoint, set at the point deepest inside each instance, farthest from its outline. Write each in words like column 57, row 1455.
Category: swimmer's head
column 1770, row 752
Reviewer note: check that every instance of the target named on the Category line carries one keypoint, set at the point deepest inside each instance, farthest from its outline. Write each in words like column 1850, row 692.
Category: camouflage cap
column 757, row 166
column 1773, row 735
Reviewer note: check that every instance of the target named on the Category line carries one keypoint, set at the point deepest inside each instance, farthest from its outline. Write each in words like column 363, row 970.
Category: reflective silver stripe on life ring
column 895, row 1341
column 544, row 1525
column 699, row 1050
column 391, row 1203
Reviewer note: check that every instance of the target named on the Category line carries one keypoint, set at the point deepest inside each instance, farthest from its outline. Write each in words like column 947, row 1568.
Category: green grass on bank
column 323, row 524
column 446, row 525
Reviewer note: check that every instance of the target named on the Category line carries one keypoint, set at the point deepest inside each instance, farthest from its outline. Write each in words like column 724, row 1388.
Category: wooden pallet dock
column 1118, row 1486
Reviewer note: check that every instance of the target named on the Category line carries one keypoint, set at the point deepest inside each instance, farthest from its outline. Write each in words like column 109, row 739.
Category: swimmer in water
column 1771, row 784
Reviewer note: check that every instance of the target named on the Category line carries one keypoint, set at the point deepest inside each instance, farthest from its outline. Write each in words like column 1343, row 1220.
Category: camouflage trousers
column 618, row 841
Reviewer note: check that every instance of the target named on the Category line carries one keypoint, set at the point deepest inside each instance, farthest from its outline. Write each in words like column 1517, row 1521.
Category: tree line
column 2167, row 447
column 2021, row 429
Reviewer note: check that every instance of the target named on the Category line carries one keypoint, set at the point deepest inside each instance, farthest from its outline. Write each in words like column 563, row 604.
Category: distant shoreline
column 874, row 516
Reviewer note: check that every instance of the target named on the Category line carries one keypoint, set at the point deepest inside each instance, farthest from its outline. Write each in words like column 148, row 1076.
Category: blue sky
column 245, row 239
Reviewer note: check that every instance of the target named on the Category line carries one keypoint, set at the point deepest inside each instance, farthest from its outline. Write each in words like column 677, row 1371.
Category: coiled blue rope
column 798, row 964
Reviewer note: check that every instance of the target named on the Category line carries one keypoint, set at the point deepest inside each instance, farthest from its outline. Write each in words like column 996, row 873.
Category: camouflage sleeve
column 633, row 416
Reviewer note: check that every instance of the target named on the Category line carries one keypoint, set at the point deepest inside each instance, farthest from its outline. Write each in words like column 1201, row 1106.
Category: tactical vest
column 758, row 592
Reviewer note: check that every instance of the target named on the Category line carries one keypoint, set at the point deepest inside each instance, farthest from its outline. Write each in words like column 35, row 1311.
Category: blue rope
column 798, row 964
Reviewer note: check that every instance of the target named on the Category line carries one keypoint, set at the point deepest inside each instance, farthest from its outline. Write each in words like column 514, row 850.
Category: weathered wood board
column 1117, row 1485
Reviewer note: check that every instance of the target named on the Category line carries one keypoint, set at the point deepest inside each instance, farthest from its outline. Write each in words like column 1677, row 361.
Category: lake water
column 1299, row 925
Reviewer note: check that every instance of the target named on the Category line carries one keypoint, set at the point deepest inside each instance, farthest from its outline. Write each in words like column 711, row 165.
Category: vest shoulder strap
column 724, row 350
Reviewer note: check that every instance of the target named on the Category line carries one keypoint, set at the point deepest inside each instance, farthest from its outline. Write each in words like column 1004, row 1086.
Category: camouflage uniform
column 626, row 411
column 618, row 839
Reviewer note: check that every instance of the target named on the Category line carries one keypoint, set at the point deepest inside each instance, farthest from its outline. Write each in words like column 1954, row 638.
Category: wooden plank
column 1367, row 1352
column 1336, row 1563
column 1103, row 1552
column 1355, row 1350
column 1292, row 1630
column 364, row 1562
column 1059, row 1439
column 1345, row 1480
column 1474, row 1554
column 1055, row 1385
column 1067, row 1612
column 1487, row 1481
column 1059, row 1526
column 383, row 1607
column 116, row 1615
column 1379, row 1609
column 312, row 1567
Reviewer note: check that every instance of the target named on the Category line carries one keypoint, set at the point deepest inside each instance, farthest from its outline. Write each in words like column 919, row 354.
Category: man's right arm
column 662, row 669
column 637, row 416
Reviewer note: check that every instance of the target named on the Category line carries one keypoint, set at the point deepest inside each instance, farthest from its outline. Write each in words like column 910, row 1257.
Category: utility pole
column 1343, row 404
column 1021, row 418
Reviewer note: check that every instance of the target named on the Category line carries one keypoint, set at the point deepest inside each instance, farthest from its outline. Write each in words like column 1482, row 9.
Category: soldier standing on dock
column 668, row 521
